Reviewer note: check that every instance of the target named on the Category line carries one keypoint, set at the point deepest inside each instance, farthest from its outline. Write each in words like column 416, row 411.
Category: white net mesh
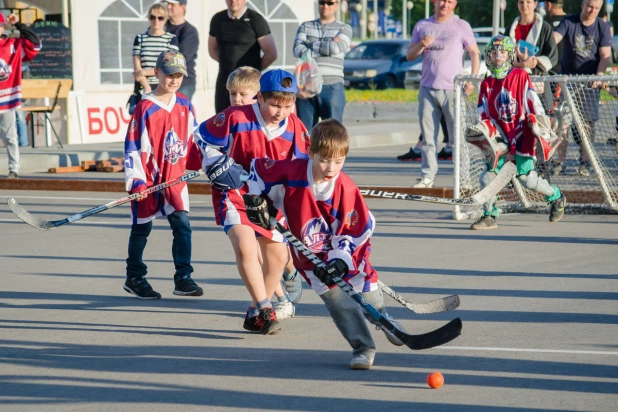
column 584, row 167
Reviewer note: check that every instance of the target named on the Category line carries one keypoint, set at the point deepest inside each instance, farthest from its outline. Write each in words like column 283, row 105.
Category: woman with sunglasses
column 147, row 47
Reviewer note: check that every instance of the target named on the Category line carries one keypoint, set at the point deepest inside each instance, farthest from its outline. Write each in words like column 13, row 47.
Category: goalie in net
column 512, row 121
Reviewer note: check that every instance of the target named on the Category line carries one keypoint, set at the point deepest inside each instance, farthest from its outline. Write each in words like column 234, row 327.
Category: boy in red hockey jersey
column 512, row 119
column 325, row 210
column 158, row 147
column 229, row 142
column 12, row 52
column 243, row 85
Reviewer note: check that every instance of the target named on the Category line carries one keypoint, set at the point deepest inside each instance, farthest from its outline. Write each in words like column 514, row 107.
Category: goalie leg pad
column 534, row 182
column 540, row 125
column 488, row 139
column 489, row 208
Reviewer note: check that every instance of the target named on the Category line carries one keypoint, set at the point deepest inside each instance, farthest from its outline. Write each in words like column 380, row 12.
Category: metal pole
column 426, row 9
column 404, row 10
column 375, row 12
column 363, row 21
column 496, row 19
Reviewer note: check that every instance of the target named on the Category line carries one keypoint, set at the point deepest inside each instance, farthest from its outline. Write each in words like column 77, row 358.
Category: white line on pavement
column 561, row 351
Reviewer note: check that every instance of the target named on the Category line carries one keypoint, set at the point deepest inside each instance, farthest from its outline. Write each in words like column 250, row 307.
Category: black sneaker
column 141, row 288
column 185, row 286
column 557, row 209
column 270, row 324
column 253, row 324
column 411, row 155
column 12, row 175
column 445, row 154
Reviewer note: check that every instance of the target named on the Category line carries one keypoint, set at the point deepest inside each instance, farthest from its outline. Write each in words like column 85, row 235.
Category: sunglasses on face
column 153, row 18
column 327, row 3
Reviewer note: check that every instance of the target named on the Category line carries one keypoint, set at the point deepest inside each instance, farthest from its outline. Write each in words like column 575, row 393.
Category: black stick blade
column 438, row 337
column 23, row 214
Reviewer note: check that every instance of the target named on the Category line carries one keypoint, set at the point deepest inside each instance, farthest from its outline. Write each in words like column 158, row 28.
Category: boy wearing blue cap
column 229, row 142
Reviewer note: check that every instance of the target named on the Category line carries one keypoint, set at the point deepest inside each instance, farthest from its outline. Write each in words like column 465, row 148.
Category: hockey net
column 583, row 116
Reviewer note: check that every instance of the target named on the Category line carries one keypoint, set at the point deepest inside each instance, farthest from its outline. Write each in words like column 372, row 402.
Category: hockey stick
column 428, row 340
column 41, row 224
column 439, row 305
column 507, row 172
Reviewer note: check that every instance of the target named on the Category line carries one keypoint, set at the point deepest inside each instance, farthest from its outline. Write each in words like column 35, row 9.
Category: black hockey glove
column 259, row 210
column 336, row 267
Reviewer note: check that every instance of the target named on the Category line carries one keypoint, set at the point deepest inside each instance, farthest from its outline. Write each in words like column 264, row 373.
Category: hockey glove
column 336, row 267
column 225, row 174
column 259, row 210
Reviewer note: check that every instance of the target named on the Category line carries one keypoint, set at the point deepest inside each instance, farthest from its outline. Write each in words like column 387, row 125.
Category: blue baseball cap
column 172, row 61
column 271, row 82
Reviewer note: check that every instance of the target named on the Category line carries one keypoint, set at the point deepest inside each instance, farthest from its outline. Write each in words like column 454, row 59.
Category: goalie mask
column 499, row 56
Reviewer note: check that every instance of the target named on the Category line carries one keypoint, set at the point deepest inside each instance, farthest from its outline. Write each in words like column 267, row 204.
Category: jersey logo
column 132, row 126
column 219, row 119
column 284, row 153
column 351, row 218
column 316, row 235
column 5, row 70
column 506, row 106
column 268, row 163
column 174, row 149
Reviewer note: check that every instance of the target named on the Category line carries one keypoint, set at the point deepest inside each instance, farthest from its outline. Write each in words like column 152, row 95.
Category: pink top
column 443, row 59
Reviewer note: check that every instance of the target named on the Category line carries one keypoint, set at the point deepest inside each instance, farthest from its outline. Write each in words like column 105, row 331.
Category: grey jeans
column 349, row 318
column 432, row 104
column 8, row 134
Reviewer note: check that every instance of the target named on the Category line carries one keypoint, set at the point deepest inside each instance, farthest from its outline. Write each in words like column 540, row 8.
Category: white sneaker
column 285, row 310
column 294, row 286
column 392, row 338
column 423, row 182
column 361, row 362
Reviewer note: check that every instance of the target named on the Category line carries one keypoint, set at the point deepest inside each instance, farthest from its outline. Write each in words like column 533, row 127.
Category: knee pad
column 532, row 181
column 486, row 178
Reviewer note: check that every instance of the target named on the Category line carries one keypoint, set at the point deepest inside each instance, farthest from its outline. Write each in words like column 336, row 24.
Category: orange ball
column 435, row 380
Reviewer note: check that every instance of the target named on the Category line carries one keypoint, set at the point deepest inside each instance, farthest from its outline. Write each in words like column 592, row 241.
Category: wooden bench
column 53, row 89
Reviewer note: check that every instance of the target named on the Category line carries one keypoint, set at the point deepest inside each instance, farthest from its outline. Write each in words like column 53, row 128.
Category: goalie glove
column 488, row 139
column 225, row 174
column 259, row 211
column 540, row 126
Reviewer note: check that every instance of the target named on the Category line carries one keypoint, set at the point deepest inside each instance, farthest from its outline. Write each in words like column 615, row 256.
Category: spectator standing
column 237, row 37
column 327, row 40
column 441, row 39
column 587, row 50
column 530, row 27
column 148, row 45
column 188, row 41
column 12, row 52
column 554, row 13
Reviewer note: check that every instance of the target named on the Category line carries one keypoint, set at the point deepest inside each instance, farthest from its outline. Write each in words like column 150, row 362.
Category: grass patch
column 388, row 95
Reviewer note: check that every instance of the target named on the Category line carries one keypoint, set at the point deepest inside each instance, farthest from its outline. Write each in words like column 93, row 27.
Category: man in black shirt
column 554, row 13
column 237, row 36
column 188, row 41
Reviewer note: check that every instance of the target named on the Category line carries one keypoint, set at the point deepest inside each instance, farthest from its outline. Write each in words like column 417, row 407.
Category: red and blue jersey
column 12, row 52
column 242, row 133
column 159, row 147
column 508, row 102
column 331, row 219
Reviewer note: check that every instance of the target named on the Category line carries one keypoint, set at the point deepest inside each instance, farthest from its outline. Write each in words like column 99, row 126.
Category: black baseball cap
column 172, row 61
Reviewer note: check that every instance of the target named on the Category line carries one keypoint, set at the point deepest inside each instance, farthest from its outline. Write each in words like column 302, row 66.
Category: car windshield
column 370, row 51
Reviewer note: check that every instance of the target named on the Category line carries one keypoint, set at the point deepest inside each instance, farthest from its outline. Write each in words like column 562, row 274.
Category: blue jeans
column 181, row 246
column 22, row 128
column 329, row 104
column 188, row 90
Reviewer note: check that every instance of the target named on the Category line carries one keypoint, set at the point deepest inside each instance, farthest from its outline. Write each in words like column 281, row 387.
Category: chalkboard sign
column 55, row 60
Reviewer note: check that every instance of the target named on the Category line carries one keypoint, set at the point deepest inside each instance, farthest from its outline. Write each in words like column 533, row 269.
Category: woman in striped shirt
column 147, row 47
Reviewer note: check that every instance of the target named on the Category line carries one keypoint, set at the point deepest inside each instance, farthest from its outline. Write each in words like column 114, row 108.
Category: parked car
column 376, row 63
column 615, row 49
column 412, row 78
